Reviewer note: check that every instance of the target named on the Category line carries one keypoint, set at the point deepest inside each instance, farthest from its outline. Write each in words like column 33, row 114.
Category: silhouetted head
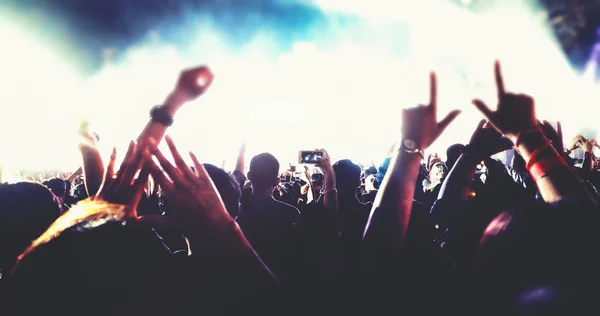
column 106, row 265
column 26, row 211
column 57, row 186
column 347, row 175
column 264, row 171
column 539, row 259
column 453, row 153
column 227, row 187
column 371, row 170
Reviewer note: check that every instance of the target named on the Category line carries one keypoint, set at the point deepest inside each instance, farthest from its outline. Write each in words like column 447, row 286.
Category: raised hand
column 487, row 141
column 420, row 124
column 586, row 144
column 554, row 135
column 324, row 163
column 123, row 187
column 515, row 112
column 192, row 195
column 575, row 142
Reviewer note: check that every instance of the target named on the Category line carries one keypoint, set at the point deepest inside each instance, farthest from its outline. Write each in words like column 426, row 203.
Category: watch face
column 410, row 144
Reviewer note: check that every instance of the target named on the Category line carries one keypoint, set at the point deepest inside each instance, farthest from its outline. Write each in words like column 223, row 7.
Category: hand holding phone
column 309, row 156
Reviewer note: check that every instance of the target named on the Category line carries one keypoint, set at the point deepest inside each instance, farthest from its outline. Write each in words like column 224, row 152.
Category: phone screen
column 309, row 157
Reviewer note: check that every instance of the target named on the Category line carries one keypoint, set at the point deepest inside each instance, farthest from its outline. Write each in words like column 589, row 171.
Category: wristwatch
column 411, row 147
column 160, row 115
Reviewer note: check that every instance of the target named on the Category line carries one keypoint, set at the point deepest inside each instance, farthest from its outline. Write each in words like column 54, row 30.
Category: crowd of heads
column 416, row 235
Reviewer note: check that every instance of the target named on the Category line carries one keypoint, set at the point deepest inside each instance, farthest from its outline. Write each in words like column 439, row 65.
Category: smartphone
column 309, row 156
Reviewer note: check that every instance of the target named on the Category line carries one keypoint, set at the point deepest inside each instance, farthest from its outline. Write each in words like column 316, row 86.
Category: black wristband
column 159, row 115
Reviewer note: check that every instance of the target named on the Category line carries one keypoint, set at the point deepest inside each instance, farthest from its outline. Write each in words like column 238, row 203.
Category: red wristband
column 538, row 154
column 538, row 169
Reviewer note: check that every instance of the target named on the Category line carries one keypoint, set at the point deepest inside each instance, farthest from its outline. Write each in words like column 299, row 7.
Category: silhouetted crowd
column 164, row 234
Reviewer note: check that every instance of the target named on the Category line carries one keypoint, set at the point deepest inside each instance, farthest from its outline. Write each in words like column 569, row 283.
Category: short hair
column 27, row 210
column 93, row 253
column 523, row 244
column 347, row 174
column 264, row 170
column 228, row 188
column 453, row 153
column 57, row 186
column 370, row 171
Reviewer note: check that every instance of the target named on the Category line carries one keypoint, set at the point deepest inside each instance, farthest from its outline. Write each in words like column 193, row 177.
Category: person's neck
column 259, row 191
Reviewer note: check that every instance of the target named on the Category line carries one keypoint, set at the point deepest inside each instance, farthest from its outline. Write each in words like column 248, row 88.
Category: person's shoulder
column 287, row 207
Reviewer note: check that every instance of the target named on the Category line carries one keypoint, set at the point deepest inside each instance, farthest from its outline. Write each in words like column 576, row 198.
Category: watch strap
column 160, row 115
column 416, row 150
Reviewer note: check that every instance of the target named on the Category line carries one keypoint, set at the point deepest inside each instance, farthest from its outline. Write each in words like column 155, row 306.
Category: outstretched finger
column 198, row 167
column 447, row 120
column 171, row 171
column 109, row 174
column 559, row 131
column 110, row 168
column 142, row 179
column 484, row 109
column 157, row 174
column 433, row 92
column 179, row 162
column 480, row 125
column 499, row 79
column 133, row 165
column 549, row 126
column 127, row 159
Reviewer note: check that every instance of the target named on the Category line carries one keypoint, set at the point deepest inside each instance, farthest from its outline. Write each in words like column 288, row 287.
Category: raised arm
column 240, row 166
column 587, row 145
column 515, row 118
column 199, row 213
column 240, row 163
column 485, row 142
column 330, row 198
column 393, row 203
column 92, row 165
column 192, row 83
